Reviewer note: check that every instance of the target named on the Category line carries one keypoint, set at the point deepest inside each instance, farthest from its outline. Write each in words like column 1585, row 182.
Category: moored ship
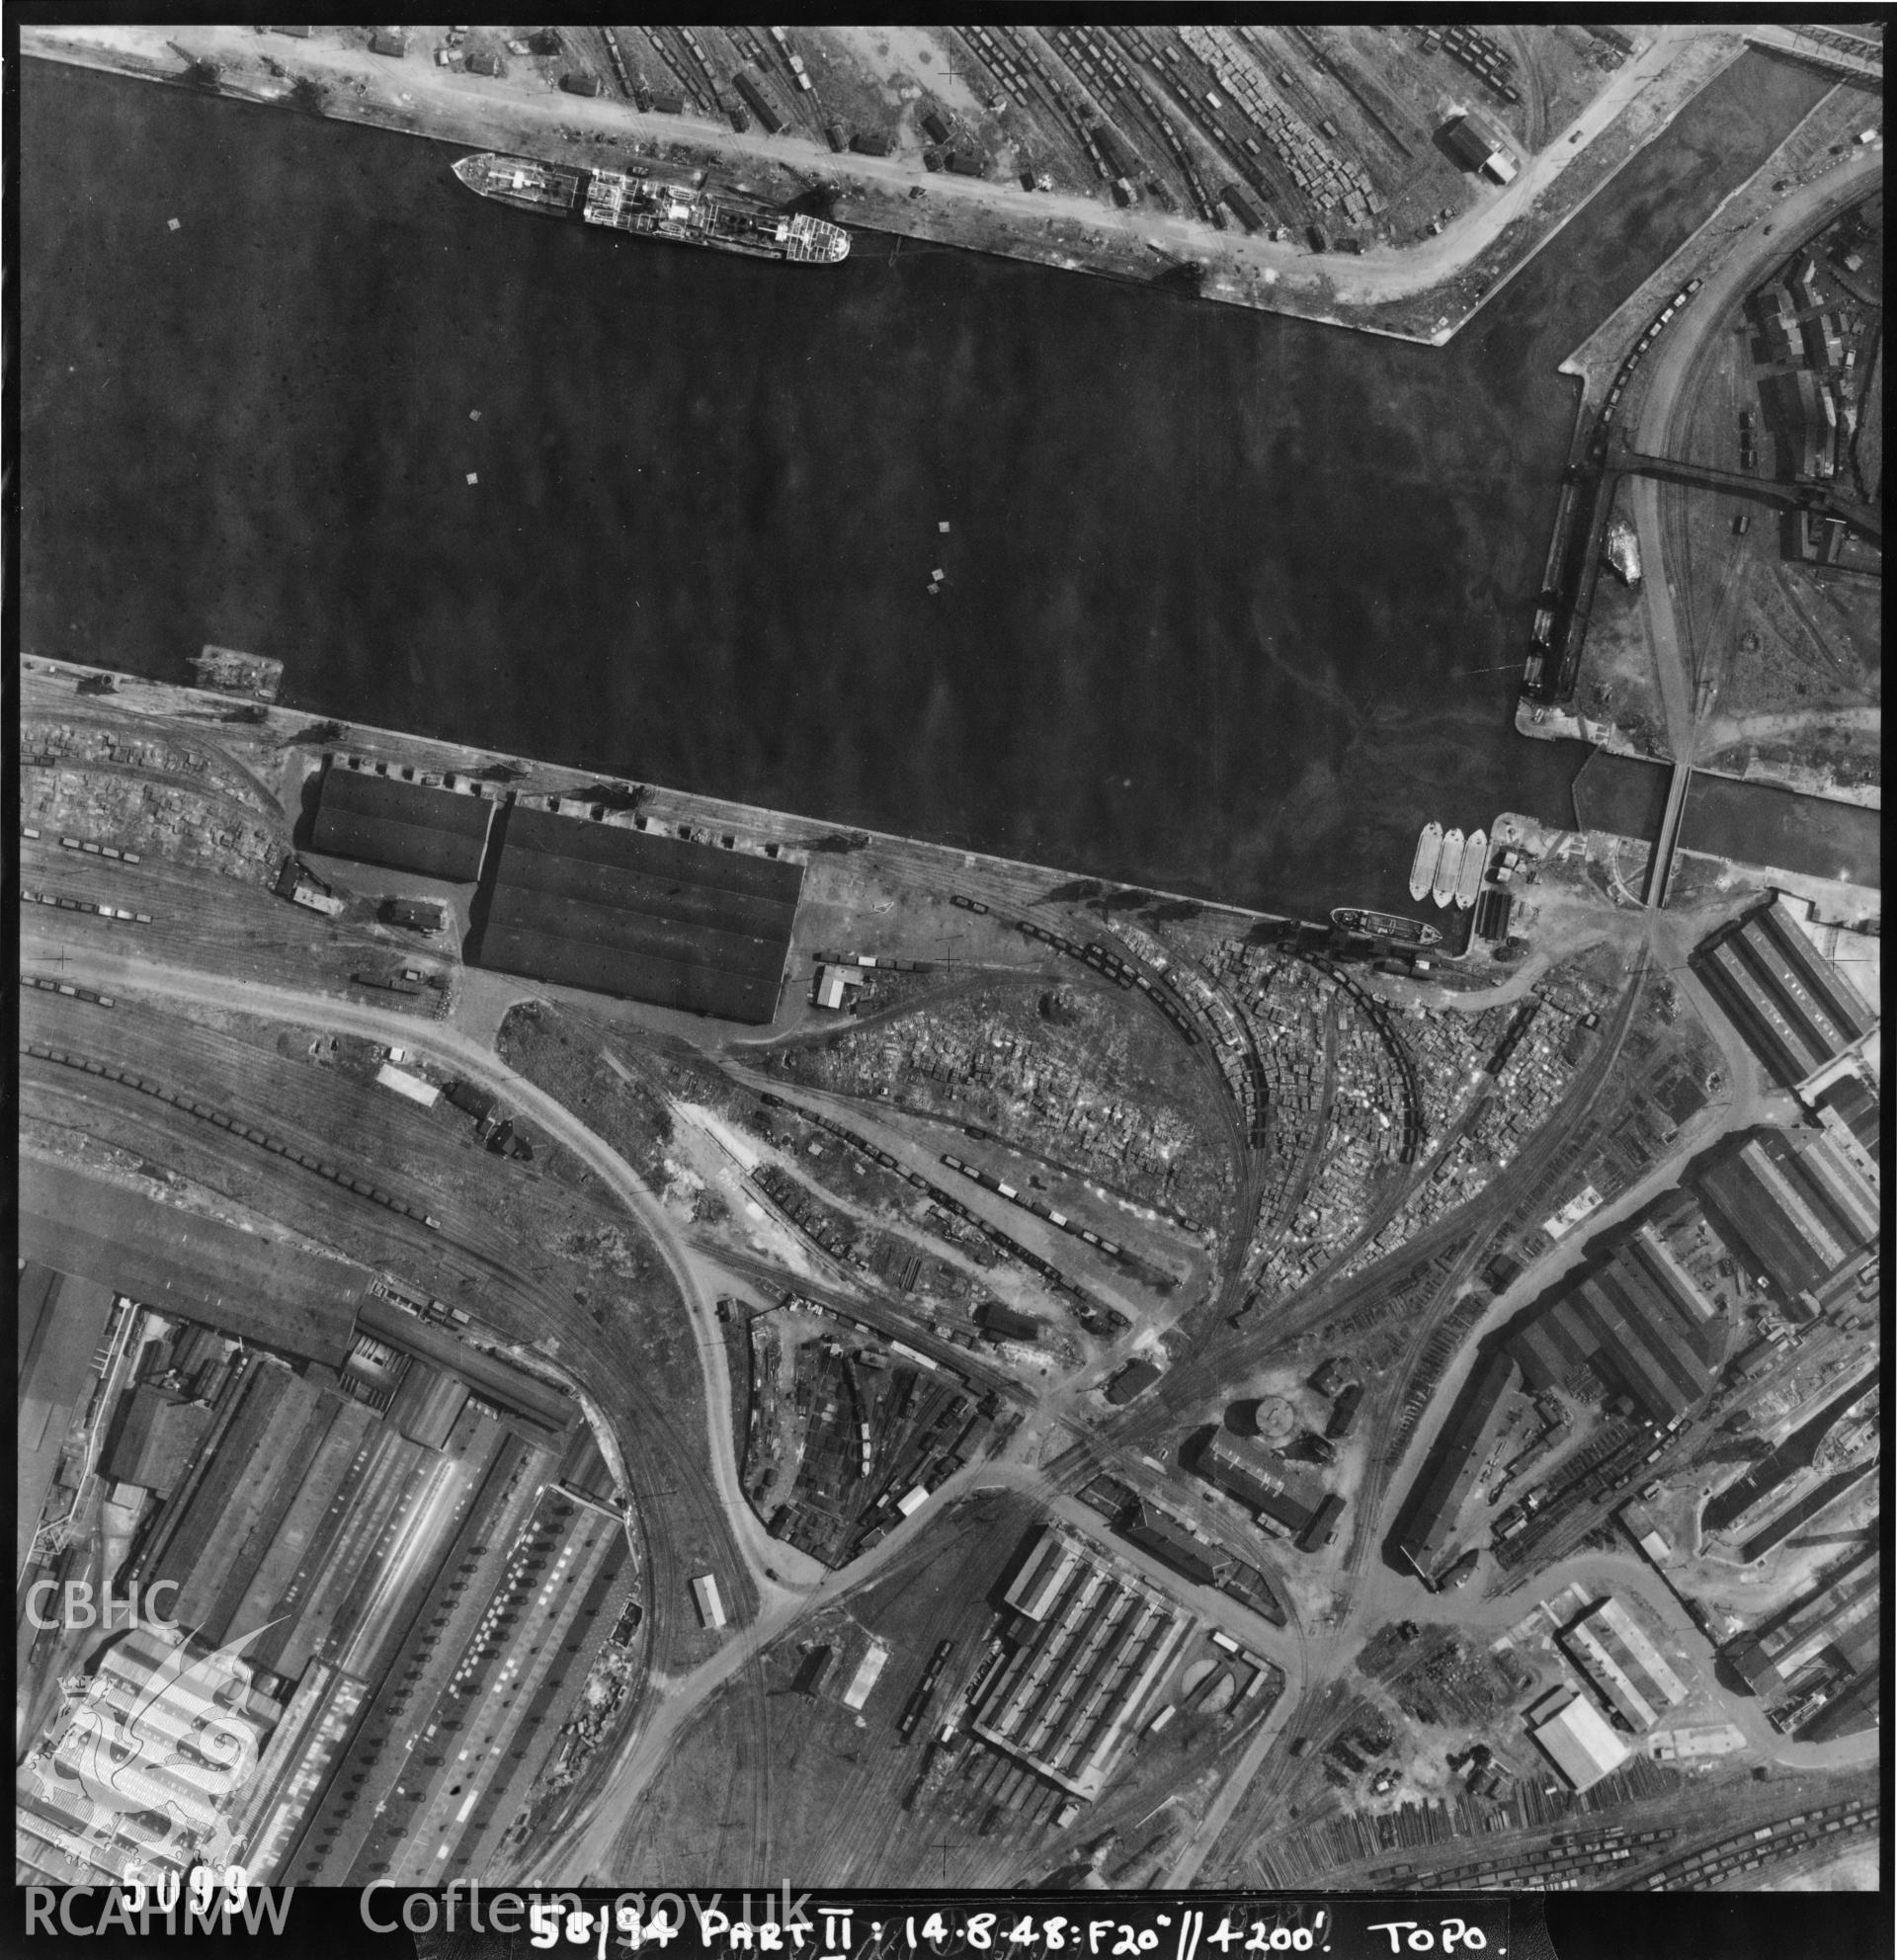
column 650, row 210
column 1384, row 926
column 1429, row 847
column 1476, row 861
column 630, row 201
column 1448, row 868
column 520, row 180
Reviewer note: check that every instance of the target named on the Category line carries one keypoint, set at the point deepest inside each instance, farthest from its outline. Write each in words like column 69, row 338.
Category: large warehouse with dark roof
column 383, row 820
column 1795, row 1009
column 1639, row 1321
column 1793, row 1206
column 622, row 911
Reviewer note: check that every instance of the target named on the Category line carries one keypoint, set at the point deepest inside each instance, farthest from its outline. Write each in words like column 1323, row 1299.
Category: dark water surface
column 1754, row 823
column 1215, row 585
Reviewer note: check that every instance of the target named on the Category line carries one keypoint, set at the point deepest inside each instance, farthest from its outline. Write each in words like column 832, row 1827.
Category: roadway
column 722, row 1513
column 154, row 963
column 874, row 192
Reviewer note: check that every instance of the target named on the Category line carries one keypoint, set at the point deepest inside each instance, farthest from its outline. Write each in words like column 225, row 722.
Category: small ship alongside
column 1385, row 926
column 630, row 201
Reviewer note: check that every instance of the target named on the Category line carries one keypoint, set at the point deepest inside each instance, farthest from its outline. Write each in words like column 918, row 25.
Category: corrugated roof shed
column 1262, row 1481
column 155, row 1438
column 1624, row 1664
column 621, row 911
column 1453, row 1464
column 1856, row 1107
column 185, row 1265
column 1200, row 1562
column 382, row 820
column 427, row 1405
column 1798, row 1213
column 1134, row 1379
column 1580, row 1744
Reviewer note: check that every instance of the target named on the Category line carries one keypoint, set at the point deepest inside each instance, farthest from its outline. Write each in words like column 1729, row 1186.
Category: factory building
column 1131, row 1382
column 382, row 820
column 1578, row 1741
column 1323, row 1525
column 1004, row 1324
column 1776, row 313
column 1835, row 1629
column 1455, row 1463
column 1632, row 1675
column 1793, row 1209
column 867, row 1673
column 1090, row 1641
column 1792, row 1008
column 491, row 1660
column 1475, row 146
column 1262, row 1482
column 237, row 1281
column 1192, row 1558
column 1849, row 1107
column 1637, row 1323
column 428, row 1405
column 156, row 1437
column 626, row 912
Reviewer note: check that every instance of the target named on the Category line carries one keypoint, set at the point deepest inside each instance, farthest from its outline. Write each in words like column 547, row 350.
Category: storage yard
column 1036, row 1356
column 1272, row 128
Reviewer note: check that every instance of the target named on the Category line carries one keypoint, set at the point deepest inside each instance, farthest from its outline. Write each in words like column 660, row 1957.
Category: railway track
column 1496, row 1204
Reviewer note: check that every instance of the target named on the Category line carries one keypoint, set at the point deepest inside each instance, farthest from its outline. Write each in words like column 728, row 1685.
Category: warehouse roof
column 185, row 1265
column 1134, row 1381
column 1580, row 1744
column 1862, row 1113
column 1624, row 1664
column 1155, row 1532
column 383, row 820
column 1793, row 1007
column 1262, row 1481
column 1455, row 1461
column 622, row 911
column 1794, row 1206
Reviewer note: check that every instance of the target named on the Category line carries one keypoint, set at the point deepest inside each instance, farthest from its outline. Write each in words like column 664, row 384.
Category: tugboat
column 1384, row 926
column 1448, row 869
column 1429, row 847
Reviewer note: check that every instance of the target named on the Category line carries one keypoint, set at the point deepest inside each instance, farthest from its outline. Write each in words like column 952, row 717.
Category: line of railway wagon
column 222, row 1119
column 109, row 912
column 1090, row 1313
column 1038, row 1206
column 1655, row 328
column 1747, row 1850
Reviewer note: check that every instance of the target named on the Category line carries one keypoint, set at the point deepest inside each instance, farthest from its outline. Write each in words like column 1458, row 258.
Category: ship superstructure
column 518, row 180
